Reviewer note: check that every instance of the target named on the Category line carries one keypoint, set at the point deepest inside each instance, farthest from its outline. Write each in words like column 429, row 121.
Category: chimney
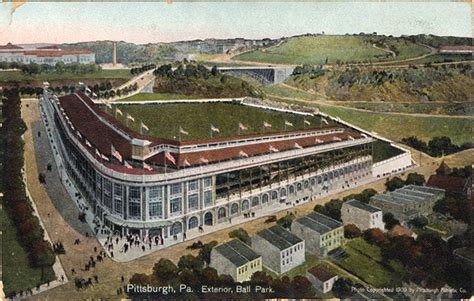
column 114, row 55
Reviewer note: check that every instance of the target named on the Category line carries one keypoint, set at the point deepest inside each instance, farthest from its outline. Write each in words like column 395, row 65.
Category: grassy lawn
column 19, row 76
column 156, row 96
column 164, row 120
column 315, row 50
column 396, row 127
column 439, row 58
column 383, row 150
column 18, row 275
column 364, row 261
column 279, row 90
column 421, row 108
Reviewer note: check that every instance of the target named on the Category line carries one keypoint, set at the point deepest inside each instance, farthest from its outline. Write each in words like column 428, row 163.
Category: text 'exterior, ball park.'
column 158, row 170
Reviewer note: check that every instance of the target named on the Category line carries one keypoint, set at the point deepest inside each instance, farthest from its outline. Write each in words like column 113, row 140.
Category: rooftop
column 279, row 237
column 319, row 222
column 408, row 195
column 237, row 252
column 363, row 206
column 457, row 184
column 321, row 273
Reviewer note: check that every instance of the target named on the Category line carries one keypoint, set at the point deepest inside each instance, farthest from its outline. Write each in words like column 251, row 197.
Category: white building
column 281, row 250
column 321, row 278
column 46, row 55
column 364, row 216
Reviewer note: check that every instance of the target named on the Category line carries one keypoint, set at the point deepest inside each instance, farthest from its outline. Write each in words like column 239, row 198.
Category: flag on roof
column 186, row 162
column 267, row 125
column 324, row 120
column 306, row 122
column 335, row 138
column 182, row 131
column 243, row 154
column 214, row 129
column 203, row 160
column 72, row 127
column 296, row 145
column 242, row 127
column 318, row 140
column 108, row 105
column 127, row 165
column 97, row 153
column 350, row 138
column 272, row 149
column 88, row 143
column 115, row 153
column 364, row 135
column 170, row 158
column 130, row 117
column 78, row 134
column 118, row 111
column 146, row 166
column 104, row 157
column 143, row 126
column 288, row 123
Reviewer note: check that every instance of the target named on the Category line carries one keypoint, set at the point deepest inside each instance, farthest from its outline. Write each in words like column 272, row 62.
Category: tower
column 114, row 55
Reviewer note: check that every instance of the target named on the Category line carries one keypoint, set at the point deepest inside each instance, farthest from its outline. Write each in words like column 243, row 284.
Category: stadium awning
column 137, row 224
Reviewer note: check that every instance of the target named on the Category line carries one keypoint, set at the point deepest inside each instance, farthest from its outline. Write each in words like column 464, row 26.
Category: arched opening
column 291, row 189
column 208, row 219
column 245, row 205
column 255, row 201
column 176, row 228
column 234, row 209
column 283, row 193
column 221, row 213
column 265, row 198
column 274, row 195
column 299, row 187
column 193, row 223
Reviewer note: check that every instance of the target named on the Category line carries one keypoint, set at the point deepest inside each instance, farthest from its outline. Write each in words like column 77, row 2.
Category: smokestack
column 114, row 55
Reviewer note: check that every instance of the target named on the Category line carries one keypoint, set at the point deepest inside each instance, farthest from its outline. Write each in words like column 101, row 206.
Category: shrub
column 351, row 231
column 240, row 234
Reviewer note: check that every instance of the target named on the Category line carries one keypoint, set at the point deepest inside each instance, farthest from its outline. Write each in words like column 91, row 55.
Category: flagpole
column 238, row 129
column 164, row 158
column 210, row 133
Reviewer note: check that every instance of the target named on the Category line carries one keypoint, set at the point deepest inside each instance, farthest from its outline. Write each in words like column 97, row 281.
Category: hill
column 327, row 49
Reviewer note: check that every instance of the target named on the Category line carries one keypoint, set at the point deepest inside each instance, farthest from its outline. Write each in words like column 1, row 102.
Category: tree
column 165, row 270
column 415, row 179
column 342, row 288
column 214, row 71
column 419, row 222
column 205, row 252
column 374, row 236
column 390, row 221
column 286, row 221
column 190, row 262
column 394, row 183
column 240, row 234
column 351, row 231
column 42, row 255
column 301, row 287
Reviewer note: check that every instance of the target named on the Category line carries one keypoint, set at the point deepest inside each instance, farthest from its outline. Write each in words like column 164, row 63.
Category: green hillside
column 336, row 49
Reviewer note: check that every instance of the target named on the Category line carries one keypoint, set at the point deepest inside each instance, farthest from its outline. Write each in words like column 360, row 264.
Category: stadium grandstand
column 141, row 182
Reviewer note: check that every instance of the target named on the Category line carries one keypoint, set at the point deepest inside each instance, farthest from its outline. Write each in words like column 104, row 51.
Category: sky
column 151, row 22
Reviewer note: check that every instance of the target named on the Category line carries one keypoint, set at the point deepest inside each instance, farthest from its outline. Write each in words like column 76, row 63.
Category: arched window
column 245, row 205
column 283, row 192
column 208, row 219
column 274, row 195
column 255, row 201
column 306, row 184
column 234, row 208
column 299, row 187
column 221, row 213
column 193, row 222
column 291, row 189
column 265, row 198
column 313, row 181
column 176, row 228
column 336, row 174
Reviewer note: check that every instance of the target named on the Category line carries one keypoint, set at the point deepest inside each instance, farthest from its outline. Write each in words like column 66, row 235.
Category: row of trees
column 141, row 69
column 60, row 67
column 185, row 70
column 17, row 205
column 194, row 271
column 312, row 71
column 436, row 147
column 117, row 92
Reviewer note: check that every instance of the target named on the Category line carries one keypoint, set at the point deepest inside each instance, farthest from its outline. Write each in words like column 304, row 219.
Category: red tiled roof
column 449, row 183
column 56, row 53
column 321, row 273
column 443, row 169
column 10, row 46
column 398, row 230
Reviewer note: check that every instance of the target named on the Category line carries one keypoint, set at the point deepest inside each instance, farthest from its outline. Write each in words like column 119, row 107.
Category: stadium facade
column 154, row 186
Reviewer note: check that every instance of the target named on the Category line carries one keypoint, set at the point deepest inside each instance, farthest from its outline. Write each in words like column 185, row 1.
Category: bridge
column 265, row 75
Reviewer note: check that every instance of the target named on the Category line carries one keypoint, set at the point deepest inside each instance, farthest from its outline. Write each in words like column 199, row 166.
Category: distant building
column 399, row 230
column 458, row 186
column 49, row 55
column 236, row 259
column 281, row 250
column 408, row 202
column 321, row 278
column 364, row 216
column 322, row 234
column 460, row 49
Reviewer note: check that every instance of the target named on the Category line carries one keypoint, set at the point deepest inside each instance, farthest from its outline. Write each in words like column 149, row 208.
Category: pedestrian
column 95, row 249
column 73, row 271
column 112, row 254
column 96, row 278
column 62, row 278
column 123, row 279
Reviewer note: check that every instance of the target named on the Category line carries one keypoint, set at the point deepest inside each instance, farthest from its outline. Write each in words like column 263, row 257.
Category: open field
column 414, row 108
column 438, row 58
column 460, row 159
column 155, row 96
column 102, row 74
column 165, row 120
column 315, row 50
column 365, row 261
column 396, row 127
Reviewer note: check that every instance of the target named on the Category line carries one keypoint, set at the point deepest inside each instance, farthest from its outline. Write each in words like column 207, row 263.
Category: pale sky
column 149, row 22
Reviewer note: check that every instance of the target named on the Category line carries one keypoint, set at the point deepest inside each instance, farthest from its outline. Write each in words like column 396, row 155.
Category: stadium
column 171, row 168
